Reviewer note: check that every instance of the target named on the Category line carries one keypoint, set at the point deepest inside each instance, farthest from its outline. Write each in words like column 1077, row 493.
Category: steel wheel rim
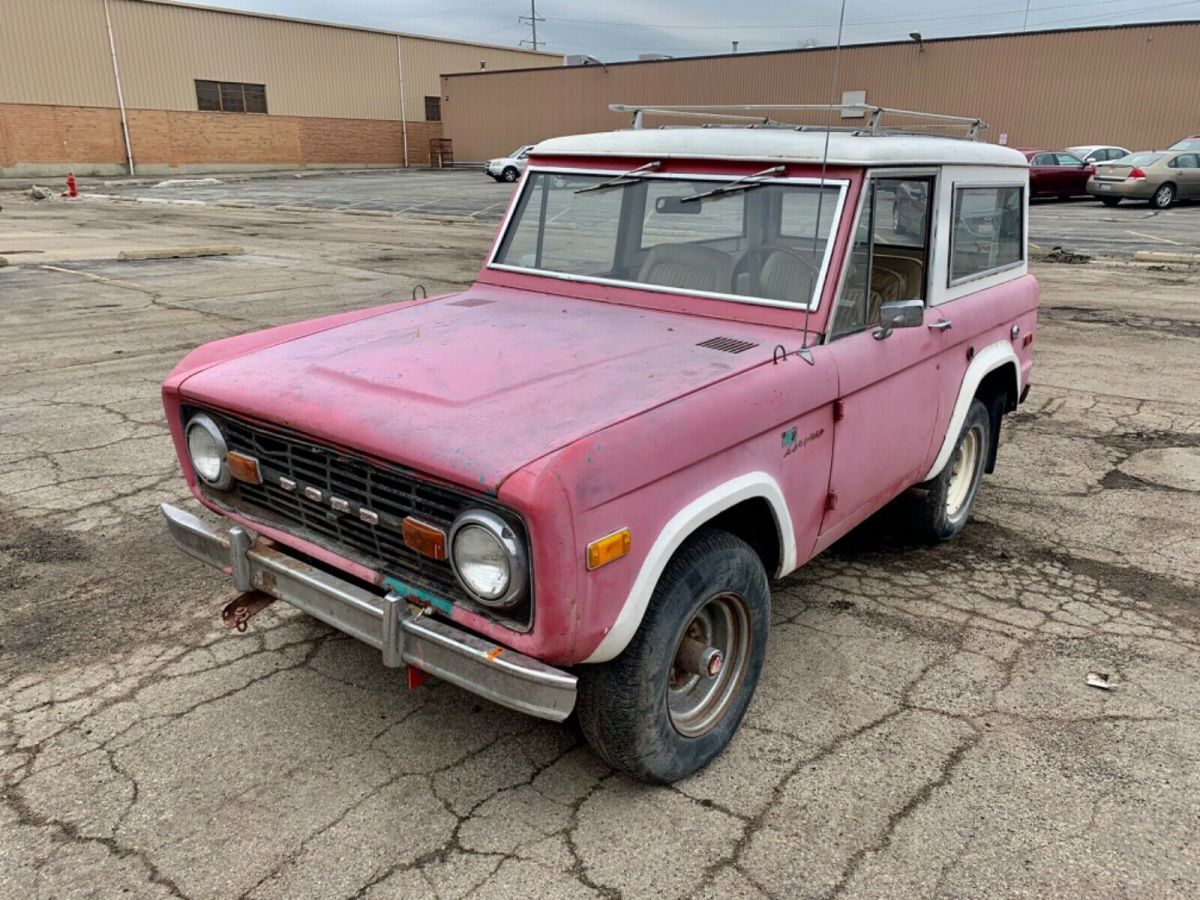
column 962, row 472
column 697, row 704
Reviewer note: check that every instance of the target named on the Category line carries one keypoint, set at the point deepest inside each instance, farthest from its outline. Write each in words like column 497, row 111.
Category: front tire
column 650, row 712
column 1163, row 197
column 509, row 175
column 948, row 498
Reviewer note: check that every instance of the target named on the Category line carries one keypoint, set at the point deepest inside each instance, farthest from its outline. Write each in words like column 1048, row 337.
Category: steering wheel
column 746, row 264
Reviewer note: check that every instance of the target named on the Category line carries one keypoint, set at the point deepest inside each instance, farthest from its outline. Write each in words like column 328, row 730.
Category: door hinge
column 839, row 410
column 831, row 501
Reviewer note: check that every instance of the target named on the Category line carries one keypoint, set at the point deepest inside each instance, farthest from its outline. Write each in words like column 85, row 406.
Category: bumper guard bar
column 386, row 622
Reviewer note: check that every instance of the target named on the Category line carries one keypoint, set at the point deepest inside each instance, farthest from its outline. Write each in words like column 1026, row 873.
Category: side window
column 986, row 232
column 890, row 257
column 1068, row 159
column 1045, row 159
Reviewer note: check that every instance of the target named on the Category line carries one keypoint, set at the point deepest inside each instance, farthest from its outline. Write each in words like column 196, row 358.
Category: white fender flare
column 676, row 531
column 986, row 360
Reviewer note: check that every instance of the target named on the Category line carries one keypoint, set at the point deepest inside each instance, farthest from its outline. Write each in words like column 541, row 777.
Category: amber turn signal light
column 243, row 468
column 425, row 539
column 608, row 549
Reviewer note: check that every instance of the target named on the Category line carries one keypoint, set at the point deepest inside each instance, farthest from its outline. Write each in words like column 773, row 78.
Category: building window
column 433, row 109
column 231, row 96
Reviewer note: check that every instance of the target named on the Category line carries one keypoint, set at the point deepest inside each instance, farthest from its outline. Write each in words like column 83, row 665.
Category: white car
column 508, row 168
column 1098, row 153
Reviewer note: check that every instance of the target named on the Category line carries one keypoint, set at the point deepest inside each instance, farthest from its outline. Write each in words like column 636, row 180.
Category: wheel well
column 998, row 392
column 753, row 521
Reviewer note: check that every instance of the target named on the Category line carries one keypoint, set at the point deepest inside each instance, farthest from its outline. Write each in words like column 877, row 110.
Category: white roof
column 786, row 145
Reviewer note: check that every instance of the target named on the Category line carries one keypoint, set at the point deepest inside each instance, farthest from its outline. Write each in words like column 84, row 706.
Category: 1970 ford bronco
column 695, row 358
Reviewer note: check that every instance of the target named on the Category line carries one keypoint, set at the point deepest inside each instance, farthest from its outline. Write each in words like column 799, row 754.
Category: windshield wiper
column 622, row 180
column 745, row 183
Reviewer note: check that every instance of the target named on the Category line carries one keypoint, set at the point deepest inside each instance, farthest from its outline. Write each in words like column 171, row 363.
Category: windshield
column 517, row 153
column 759, row 240
column 1192, row 143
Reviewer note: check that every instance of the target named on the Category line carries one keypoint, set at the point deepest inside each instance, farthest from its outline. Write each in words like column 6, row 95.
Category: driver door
column 889, row 386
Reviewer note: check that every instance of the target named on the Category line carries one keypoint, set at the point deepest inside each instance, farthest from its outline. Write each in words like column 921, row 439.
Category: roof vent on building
column 727, row 344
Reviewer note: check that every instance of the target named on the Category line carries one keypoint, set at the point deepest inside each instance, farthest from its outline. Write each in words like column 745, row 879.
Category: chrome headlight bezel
column 206, row 424
column 516, row 554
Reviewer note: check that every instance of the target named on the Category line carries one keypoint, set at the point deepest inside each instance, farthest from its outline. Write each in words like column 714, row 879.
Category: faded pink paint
column 589, row 408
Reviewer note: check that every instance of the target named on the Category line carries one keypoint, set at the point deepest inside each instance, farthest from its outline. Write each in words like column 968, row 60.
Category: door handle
column 941, row 325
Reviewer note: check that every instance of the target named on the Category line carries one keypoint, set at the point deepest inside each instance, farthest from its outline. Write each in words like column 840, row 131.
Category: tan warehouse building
column 1135, row 86
column 206, row 89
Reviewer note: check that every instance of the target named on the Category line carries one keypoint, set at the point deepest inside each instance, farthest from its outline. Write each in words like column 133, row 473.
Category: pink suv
column 695, row 358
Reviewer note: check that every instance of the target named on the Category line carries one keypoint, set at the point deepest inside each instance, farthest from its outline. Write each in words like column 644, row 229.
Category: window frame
column 221, row 87
column 933, row 176
column 955, row 190
column 841, row 184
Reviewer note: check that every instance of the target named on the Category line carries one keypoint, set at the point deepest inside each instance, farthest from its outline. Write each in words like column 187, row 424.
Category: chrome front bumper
column 385, row 621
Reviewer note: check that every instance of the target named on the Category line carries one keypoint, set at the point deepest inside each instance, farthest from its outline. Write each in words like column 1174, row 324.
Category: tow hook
column 243, row 608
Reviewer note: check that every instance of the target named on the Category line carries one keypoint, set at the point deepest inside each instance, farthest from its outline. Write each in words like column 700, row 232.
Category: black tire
column 1110, row 201
column 509, row 174
column 1163, row 197
column 625, row 706
column 942, row 507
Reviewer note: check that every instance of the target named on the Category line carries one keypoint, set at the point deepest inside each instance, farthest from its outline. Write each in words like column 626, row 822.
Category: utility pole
column 533, row 18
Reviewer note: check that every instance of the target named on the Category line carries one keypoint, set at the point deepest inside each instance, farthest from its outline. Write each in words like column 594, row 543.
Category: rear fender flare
column 986, row 360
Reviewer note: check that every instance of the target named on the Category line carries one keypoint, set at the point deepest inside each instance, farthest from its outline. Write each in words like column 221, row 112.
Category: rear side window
column 987, row 232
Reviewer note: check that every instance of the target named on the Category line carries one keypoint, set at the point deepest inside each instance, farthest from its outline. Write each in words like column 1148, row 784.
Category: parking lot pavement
column 446, row 193
column 923, row 726
column 1084, row 225
column 1080, row 225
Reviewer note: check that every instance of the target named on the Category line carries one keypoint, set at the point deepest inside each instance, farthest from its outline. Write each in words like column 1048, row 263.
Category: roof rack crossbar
column 744, row 112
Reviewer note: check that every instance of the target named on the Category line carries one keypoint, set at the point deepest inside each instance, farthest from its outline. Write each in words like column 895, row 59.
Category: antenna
column 804, row 352
column 533, row 18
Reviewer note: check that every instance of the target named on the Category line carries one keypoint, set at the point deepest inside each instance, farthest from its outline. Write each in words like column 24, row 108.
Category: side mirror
column 900, row 314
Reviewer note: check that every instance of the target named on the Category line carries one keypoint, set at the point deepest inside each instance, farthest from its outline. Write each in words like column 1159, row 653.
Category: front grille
column 391, row 494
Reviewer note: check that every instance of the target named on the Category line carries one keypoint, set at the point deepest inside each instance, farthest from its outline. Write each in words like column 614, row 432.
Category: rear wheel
column 1110, row 201
column 671, row 702
column 945, row 501
column 1163, row 197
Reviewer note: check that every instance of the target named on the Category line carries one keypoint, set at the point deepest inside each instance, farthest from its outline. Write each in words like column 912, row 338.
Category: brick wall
column 55, row 138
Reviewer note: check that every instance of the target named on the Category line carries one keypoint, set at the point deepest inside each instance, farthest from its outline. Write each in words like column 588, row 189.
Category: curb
column 180, row 253
column 1162, row 256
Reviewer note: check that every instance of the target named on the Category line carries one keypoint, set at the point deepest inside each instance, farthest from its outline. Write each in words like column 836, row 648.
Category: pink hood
column 473, row 386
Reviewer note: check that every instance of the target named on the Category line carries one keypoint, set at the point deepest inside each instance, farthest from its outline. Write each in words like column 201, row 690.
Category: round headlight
column 489, row 559
column 206, row 447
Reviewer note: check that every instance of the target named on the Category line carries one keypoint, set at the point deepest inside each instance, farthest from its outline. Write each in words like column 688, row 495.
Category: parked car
column 1188, row 143
column 1098, row 153
column 1162, row 178
column 1057, row 173
column 509, row 168
column 694, row 359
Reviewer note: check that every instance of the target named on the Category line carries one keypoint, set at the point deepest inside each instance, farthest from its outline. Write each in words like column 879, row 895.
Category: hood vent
column 727, row 344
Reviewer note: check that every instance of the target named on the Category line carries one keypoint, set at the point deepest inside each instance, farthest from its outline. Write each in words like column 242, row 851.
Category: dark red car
column 1056, row 173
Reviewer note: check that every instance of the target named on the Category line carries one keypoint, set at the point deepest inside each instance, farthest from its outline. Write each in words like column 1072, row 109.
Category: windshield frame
column 840, row 183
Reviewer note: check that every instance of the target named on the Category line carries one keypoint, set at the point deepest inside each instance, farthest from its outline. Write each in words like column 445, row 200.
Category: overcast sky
column 621, row 29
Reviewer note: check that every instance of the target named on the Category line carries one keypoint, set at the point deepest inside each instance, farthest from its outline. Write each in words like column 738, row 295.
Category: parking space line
column 1152, row 237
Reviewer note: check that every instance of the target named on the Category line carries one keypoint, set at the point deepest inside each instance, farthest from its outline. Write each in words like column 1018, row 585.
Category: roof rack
column 743, row 115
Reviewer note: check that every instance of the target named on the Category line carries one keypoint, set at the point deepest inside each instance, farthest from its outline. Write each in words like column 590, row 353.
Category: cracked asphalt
column 923, row 727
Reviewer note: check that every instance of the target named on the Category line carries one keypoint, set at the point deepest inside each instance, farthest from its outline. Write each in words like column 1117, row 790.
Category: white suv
column 507, row 168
